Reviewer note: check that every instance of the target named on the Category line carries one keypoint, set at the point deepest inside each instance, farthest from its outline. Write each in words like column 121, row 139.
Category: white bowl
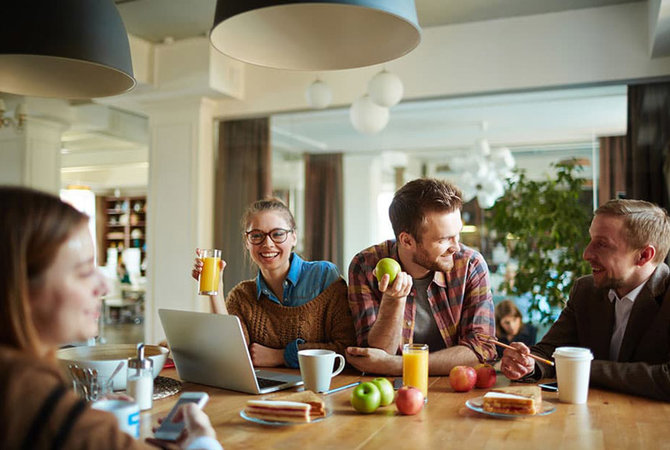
column 104, row 358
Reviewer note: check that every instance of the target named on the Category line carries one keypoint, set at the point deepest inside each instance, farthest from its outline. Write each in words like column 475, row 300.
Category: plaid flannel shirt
column 460, row 299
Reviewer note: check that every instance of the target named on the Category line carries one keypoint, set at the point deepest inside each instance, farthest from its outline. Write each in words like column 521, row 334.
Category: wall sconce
column 19, row 119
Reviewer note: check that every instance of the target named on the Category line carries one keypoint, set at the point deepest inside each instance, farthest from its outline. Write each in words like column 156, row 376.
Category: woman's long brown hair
column 33, row 227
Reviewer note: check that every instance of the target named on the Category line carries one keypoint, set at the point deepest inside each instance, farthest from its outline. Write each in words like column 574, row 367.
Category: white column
column 362, row 182
column 180, row 205
column 31, row 156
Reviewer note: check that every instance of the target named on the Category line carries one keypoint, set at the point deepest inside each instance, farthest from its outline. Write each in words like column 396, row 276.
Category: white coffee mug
column 573, row 369
column 126, row 413
column 316, row 368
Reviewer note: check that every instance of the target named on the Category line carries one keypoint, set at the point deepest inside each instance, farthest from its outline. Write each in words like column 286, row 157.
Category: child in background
column 510, row 327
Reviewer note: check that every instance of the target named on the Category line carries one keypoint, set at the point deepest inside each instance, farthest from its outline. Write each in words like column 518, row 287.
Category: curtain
column 648, row 140
column 613, row 155
column 243, row 175
column 324, row 208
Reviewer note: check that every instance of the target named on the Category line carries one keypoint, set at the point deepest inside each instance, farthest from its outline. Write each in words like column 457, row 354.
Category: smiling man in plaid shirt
column 441, row 297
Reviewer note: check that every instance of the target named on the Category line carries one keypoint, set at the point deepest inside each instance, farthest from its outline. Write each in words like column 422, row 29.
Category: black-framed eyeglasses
column 278, row 235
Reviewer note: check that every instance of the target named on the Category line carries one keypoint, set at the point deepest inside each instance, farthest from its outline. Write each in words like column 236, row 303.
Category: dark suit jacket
column 588, row 319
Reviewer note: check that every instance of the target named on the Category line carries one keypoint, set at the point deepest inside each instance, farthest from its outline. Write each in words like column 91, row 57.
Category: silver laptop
column 210, row 349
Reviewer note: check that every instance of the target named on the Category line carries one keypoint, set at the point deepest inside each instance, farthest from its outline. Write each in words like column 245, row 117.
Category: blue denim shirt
column 305, row 280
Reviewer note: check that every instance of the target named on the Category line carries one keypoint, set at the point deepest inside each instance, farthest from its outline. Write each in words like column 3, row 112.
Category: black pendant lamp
column 315, row 35
column 64, row 48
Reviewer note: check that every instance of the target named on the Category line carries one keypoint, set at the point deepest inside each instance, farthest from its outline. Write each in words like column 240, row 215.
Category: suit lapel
column 643, row 313
column 603, row 326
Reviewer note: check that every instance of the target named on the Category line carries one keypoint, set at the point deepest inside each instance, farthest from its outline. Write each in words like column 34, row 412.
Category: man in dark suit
column 621, row 312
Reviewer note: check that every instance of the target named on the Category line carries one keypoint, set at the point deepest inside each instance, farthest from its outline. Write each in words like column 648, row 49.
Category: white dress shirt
column 622, row 309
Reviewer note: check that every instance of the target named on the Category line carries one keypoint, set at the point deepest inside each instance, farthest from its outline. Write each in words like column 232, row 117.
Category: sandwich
column 513, row 400
column 317, row 405
column 278, row 411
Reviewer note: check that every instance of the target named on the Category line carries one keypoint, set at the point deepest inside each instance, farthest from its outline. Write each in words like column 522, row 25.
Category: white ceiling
column 428, row 129
column 155, row 20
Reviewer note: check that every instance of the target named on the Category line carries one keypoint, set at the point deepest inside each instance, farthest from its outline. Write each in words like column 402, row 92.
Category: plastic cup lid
column 573, row 353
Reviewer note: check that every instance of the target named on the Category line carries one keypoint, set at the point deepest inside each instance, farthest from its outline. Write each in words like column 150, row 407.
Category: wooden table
column 609, row 420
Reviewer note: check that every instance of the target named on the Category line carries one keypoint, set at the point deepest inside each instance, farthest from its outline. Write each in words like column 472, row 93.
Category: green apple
column 387, row 265
column 385, row 389
column 366, row 398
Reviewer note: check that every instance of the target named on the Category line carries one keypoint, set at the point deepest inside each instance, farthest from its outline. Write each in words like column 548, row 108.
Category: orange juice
column 209, row 278
column 415, row 367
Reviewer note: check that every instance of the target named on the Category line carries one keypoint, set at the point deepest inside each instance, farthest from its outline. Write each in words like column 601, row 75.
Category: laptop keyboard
column 266, row 382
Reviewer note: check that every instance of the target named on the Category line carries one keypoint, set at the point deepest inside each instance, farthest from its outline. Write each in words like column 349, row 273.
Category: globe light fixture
column 482, row 173
column 315, row 35
column 66, row 48
column 318, row 95
column 368, row 117
column 385, row 89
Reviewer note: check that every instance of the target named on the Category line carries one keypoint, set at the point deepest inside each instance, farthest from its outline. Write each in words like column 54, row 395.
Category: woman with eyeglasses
column 292, row 304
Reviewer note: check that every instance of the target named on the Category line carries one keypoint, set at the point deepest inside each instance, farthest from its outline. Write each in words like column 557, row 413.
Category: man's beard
column 420, row 258
column 609, row 283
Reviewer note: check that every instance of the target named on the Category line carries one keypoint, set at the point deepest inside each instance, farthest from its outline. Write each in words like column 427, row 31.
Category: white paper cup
column 316, row 368
column 126, row 413
column 573, row 368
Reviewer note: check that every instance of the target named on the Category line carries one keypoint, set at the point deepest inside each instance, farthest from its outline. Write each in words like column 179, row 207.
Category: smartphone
column 552, row 387
column 170, row 431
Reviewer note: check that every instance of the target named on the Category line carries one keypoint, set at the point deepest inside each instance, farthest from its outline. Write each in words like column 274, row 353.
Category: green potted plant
column 545, row 228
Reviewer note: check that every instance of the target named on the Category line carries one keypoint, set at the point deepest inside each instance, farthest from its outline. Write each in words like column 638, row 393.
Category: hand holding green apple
column 387, row 266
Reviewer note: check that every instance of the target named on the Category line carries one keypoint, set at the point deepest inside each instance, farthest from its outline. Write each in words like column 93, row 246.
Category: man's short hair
column 415, row 199
column 644, row 224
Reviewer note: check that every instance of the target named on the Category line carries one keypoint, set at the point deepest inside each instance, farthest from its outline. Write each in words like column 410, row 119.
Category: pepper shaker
column 140, row 379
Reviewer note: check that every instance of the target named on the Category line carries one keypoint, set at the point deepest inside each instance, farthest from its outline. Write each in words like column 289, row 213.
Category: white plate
column 476, row 404
column 277, row 423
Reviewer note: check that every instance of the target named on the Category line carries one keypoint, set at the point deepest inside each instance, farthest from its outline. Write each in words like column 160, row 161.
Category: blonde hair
column 267, row 204
column 644, row 224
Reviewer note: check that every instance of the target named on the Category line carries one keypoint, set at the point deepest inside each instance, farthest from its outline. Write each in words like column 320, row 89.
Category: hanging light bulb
column 385, row 89
column 318, row 95
column 367, row 117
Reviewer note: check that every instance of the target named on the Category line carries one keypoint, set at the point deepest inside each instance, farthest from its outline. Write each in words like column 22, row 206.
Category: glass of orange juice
column 415, row 367
column 209, row 277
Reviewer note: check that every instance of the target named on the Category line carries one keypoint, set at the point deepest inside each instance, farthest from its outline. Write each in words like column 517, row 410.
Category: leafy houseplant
column 546, row 229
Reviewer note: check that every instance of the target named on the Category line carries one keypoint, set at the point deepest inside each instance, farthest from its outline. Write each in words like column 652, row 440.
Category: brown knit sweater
column 323, row 322
column 39, row 411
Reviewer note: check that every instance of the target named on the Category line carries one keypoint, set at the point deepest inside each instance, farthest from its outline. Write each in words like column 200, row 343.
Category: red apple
column 409, row 400
column 462, row 378
column 486, row 376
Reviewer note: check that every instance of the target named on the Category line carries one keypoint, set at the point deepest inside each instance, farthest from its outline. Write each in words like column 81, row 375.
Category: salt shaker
column 140, row 379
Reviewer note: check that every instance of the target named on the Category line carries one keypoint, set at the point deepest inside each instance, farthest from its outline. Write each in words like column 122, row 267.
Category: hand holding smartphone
column 170, row 431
